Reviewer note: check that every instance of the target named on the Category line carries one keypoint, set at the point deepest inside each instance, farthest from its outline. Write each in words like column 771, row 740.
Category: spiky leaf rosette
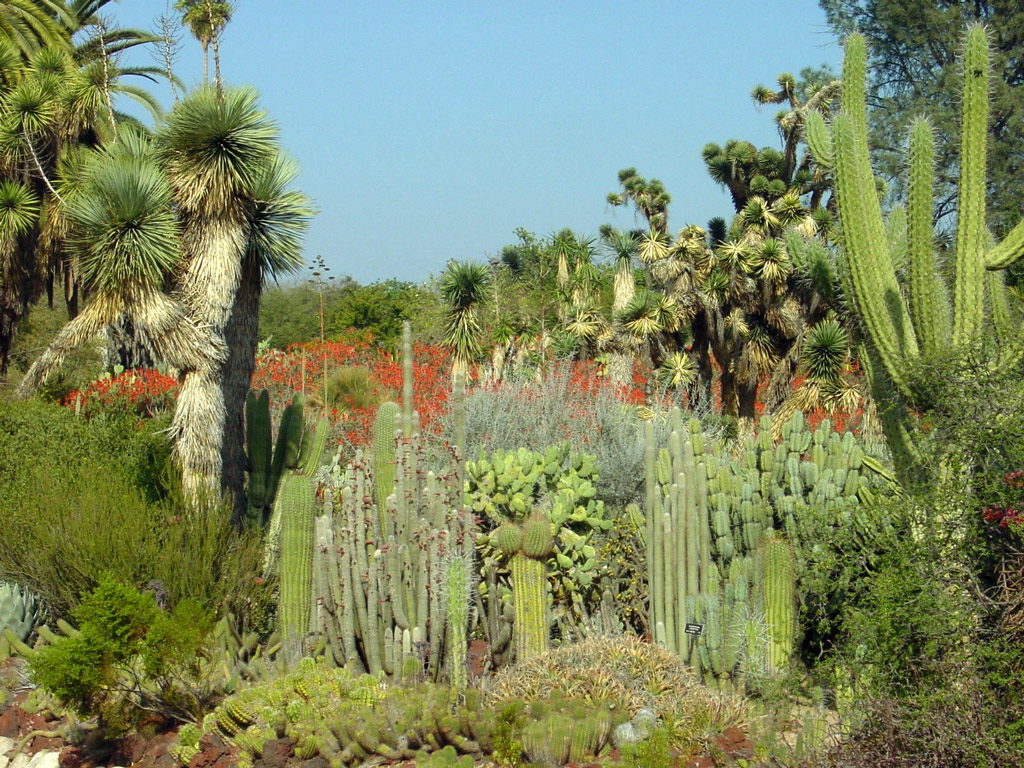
column 679, row 370
column 278, row 219
column 126, row 229
column 216, row 148
column 826, row 350
column 19, row 211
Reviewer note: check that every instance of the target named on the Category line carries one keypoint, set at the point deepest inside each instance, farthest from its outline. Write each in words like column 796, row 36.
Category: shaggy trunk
column 209, row 288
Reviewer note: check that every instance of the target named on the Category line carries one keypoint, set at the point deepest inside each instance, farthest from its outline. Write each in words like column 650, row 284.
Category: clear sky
column 430, row 130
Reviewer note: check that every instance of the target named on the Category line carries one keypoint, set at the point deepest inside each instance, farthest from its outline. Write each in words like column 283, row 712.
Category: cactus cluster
column 353, row 720
column 545, row 509
column 382, row 572
column 902, row 332
column 721, row 522
column 348, row 719
column 567, row 731
column 381, row 599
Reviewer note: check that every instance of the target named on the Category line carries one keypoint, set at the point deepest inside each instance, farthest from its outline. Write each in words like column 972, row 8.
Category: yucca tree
column 54, row 99
column 124, row 233
column 464, row 288
column 240, row 223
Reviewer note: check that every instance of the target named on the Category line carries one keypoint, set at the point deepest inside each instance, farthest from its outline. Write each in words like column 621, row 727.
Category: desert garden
column 743, row 494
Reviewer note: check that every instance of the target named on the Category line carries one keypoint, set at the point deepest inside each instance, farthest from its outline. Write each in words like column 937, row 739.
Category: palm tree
column 464, row 286
column 207, row 19
column 239, row 223
column 28, row 25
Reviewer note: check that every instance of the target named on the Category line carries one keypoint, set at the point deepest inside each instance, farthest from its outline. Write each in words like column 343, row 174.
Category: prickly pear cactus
column 510, row 486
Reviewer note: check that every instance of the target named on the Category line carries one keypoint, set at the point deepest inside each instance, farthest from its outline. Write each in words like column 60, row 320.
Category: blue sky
column 429, row 131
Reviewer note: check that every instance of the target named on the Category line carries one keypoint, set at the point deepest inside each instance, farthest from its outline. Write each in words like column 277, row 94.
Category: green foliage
column 127, row 656
column 554, row 409
column 558, row 488
column 68, row 514
column 912, row 621
column 289, row 314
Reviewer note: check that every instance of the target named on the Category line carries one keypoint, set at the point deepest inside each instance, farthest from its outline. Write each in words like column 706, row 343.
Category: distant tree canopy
column 914, row 50
column 291, row 313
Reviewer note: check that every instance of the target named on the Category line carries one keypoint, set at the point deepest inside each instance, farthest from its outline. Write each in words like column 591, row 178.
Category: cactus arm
column 926, row 297
column 819, row 139
column 874, row 283
column 1002, row 319
column 1008, row 251
column 968, row 297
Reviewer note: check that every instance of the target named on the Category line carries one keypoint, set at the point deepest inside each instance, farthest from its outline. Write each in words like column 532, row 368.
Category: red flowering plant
column 143, row 392
column 1011, row 514
column 349, row 378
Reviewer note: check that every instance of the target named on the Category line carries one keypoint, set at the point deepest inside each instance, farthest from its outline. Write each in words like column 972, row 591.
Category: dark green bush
column 129, row 658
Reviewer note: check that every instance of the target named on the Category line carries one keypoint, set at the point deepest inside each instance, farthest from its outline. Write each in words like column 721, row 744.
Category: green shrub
column 129, row 657
column 59, row 533
column 35, row 435
column 78, row 499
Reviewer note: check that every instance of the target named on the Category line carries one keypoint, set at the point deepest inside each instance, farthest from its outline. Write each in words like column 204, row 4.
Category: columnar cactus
column 899, row 335
column 779, row 600
column 266, row 459
column 458, row 588
column 381, row 573
column 715, row 518
column 290, row 538
column 384, row 452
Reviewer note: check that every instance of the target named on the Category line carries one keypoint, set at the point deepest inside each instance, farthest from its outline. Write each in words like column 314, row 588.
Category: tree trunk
column 700, row 393
column 209, row 287
column 242, row 335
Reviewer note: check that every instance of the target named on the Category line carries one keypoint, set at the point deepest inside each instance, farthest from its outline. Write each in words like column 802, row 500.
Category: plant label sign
column 694, row 629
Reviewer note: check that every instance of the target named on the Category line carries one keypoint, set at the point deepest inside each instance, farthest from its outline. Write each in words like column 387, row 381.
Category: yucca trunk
column 210, row 286
column 242, row 335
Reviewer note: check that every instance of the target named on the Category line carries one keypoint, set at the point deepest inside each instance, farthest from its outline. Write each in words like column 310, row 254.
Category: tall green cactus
column 384, row 452
column 779, row 600
column 458, row 589
column 290, row 534
column 900, row 335
column 712, row 509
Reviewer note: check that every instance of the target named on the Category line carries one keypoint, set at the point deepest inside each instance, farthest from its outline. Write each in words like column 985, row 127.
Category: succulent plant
column 20, row 611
